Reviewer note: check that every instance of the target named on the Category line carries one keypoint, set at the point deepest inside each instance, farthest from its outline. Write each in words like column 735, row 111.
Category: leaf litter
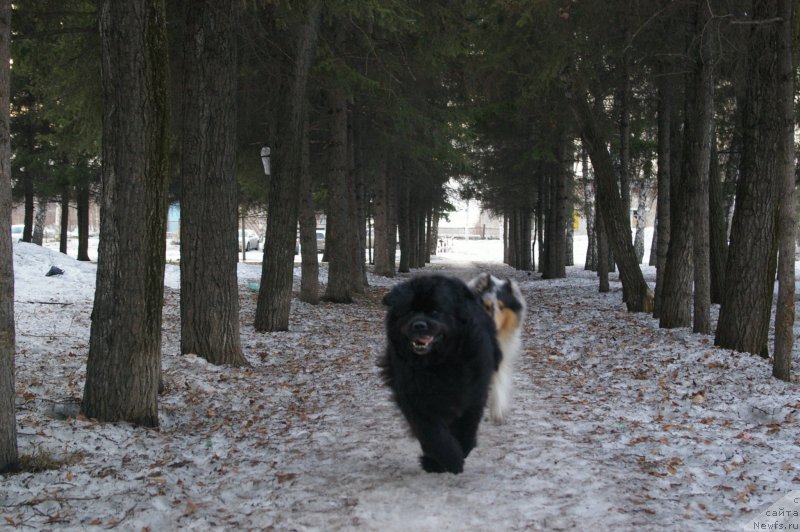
column 615, row 422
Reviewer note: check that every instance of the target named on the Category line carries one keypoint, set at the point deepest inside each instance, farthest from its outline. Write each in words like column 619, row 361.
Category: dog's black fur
column 440, row 356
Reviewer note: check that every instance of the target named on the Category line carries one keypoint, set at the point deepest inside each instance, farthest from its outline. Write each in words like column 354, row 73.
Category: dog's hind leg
column 500, row 392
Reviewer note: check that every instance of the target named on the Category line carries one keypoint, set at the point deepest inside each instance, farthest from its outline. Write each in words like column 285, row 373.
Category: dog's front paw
column 431, row 465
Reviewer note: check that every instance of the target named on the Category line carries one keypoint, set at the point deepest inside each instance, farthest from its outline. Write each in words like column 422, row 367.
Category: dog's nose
column 419, row 326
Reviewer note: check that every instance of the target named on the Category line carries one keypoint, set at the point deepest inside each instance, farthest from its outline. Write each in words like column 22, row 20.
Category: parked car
column 16, row 232
column 251, row 240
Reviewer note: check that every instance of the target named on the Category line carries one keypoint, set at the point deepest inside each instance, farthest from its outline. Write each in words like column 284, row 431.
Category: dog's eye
column 500, row 305
column 487, row 306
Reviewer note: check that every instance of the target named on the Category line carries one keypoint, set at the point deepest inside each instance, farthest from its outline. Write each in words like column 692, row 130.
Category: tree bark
column 82, row 201
column 357, row 213
column 718, row 228
column 8, row 420
column 555, row 240
column 384, row 263
column 275, row 293
column 602, row 252
column 641, row 218
column 64, row 222
column 37, row 237
column 27, row 187
column 785, row 313
column 675, row 307
column 309, row 267
column 697, row 154
column 403, row 222
column 339, row 206
column 209, row 283
column 750, row 273
column 122, row 372
column 590, row 262
column 618, row 228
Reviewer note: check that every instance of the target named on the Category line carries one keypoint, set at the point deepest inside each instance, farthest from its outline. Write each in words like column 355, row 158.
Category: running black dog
column 440, row 357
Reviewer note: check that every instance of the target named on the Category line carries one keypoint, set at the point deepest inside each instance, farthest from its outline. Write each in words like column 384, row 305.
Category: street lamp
column 265, row 152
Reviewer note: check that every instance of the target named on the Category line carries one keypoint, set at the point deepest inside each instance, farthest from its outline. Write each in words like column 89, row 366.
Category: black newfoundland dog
column 440, row 357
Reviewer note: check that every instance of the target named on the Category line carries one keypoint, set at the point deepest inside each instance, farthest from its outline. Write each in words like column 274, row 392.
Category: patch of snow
column 615, row 423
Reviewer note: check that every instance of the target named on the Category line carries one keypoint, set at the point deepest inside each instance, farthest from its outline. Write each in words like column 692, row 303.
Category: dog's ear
column 390, row 297
column 481, row 283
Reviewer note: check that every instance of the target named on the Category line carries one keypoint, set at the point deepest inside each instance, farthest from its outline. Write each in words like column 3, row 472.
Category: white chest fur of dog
column 503, row 301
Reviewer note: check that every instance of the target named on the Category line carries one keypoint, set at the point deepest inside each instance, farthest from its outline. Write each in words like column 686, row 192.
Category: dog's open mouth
column 422, row 344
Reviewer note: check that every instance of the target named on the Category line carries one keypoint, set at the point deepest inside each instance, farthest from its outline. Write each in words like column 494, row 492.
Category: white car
column 251, row 240
column 16, row 232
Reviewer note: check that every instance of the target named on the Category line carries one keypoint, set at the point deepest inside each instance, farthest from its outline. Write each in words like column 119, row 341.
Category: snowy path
column 616, row 425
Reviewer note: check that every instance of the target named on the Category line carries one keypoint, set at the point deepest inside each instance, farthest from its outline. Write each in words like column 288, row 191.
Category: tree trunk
column 675, row 306
column 309, row 276
column 590, row 262
column 27, row 187
column 718, row 228
column 8, row 420
column 275, row 292
column 602, row 251
column 37, row 237
column 122, row 372
column 63, row 234
column 750, row 273
column 615, row 219
column 700, row 107
column 785, row 313
column 383, row 265
column 641, row 219
column 82, row 201
column 403, row 223
column 209, row 283
column 339, row 206
column 356, row 214
column 555, row 240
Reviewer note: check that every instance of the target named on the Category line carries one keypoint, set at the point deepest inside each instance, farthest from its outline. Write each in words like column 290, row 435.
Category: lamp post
column 265, row 153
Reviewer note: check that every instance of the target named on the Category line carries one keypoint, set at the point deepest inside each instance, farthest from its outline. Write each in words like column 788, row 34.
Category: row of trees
column 370, row 108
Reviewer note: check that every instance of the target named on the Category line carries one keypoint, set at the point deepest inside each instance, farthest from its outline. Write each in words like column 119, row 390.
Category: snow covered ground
column 616, row 424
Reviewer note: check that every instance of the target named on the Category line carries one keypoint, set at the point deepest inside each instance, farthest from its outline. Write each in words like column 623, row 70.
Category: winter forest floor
column 616, row 424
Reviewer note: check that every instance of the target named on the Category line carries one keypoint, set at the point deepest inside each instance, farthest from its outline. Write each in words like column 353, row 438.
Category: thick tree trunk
column 675, row 307
column 275, row 293
column 700, row 107
column 8, row 419
column 209, row 283
column 122, row 372
column 785, row 313
column 750, row 273
column 615, row 219
column 339, row 206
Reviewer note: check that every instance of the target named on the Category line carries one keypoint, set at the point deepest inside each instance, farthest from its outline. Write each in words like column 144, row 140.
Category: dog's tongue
column 424, row 340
